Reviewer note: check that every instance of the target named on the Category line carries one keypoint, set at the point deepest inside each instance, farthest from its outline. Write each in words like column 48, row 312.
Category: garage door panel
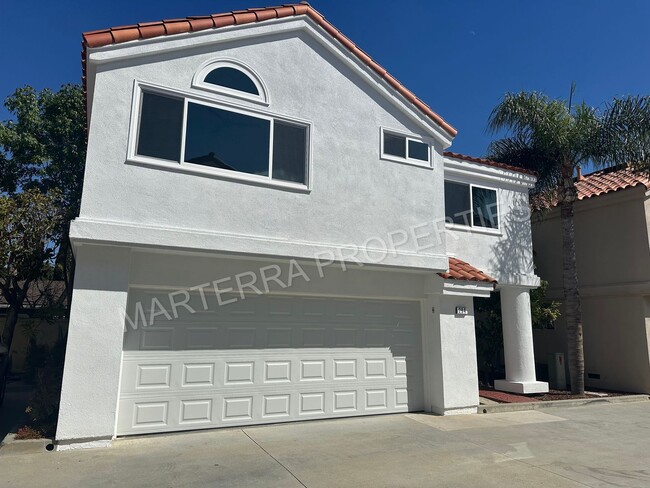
column 160, row 413
column 280, row 359
column 187, row 370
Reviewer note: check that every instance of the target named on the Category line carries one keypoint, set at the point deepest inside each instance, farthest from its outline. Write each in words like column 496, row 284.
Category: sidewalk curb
column 516, row 407
column 11, row 446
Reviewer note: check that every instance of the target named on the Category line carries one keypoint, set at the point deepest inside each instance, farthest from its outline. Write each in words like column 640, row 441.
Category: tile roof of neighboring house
column 40, row 293
column 599, row 183
column 609, row 180
column 460, row 270
column 148, row 30
column 489, row 162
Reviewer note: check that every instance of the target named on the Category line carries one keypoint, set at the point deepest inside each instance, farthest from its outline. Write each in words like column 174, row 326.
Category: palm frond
column 624, row 135
column 533, row 116
column 525, row 153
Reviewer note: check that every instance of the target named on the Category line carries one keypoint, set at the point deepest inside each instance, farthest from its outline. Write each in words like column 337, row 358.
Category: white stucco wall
column 506, row 253
column 355, row 195
column 451, row 378
column 94, row 346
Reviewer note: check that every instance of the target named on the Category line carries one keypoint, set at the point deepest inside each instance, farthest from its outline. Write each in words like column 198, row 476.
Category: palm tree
column 553, row 138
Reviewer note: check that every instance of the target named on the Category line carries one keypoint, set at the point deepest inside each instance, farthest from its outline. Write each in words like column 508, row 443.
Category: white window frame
column 471, row 226
column 407, row 137
column 198, row 81
column 181, row 166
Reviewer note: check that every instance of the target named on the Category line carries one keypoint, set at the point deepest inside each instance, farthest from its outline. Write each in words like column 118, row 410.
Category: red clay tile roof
column 489, row 162
column 460, row 270
column 609, row 180
column 148, row 30
column 599, row 183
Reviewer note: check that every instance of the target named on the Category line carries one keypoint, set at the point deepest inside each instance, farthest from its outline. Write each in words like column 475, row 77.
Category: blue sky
column 459, row 56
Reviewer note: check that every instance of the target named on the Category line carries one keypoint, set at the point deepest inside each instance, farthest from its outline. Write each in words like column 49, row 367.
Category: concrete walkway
column 595, row 446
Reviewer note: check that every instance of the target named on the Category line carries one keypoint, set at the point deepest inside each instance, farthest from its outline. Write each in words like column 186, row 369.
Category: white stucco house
column 271, row 231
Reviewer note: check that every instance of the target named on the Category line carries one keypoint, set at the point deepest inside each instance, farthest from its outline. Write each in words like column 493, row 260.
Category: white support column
column 518, row 343
column 94, row 348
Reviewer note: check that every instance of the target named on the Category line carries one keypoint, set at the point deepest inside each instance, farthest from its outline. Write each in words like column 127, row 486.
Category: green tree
column 28, row 223
column 554, row 137
column 43, row 147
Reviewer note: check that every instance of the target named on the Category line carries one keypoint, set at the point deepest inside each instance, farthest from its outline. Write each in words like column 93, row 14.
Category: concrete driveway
column 595, row 446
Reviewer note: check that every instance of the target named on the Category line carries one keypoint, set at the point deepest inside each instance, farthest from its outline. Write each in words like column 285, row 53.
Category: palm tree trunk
column 572, row 311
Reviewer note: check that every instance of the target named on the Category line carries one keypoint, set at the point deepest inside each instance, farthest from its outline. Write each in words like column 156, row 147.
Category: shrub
column 43, row 408
column 27, row 432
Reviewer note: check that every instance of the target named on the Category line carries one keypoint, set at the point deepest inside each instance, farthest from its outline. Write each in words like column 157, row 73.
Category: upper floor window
column 184, row 130
column 232, row 78
column 404, row 148
column 471, row 205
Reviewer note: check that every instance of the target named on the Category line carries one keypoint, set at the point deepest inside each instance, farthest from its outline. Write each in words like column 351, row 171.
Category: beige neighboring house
column 612, row 226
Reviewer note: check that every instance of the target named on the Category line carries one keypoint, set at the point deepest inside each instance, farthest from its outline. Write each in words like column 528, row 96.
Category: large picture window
column 225, row 139
column 471, row 205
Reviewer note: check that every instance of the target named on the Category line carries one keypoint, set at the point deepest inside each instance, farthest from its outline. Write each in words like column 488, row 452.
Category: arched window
column 232, row 78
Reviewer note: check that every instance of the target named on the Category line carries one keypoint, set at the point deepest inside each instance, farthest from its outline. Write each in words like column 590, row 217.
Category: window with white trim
column 471, row 205
column 193, row 132
column 401, row 147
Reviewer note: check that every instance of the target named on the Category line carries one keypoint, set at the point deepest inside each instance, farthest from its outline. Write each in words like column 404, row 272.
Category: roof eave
column 97, row 41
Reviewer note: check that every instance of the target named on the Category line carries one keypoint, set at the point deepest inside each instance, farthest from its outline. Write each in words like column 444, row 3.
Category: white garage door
column 268, row 359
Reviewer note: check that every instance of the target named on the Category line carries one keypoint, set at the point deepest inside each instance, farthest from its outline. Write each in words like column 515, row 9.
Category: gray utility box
column 556, row 371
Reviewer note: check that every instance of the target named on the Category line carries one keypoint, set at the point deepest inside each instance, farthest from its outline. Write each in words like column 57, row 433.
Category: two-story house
column 263, row 236
column 612, row 233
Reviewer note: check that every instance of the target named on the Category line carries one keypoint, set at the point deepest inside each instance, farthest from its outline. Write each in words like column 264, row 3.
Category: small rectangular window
column 161, row 127
column 484, row 208
column 395, row 145
column 471, row 205
column 418, row 150
column 457, row 203
column 227, row 140
column 289, row 152
column 403, row 147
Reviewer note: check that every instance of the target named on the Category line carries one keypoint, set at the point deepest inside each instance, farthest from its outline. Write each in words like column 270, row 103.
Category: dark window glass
column 457, row 206
column 161, row 127
column 227, row 140
column 394, row 145
column 289, row 152
column 231, row 78
column 418, row 150
column 484, row 208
